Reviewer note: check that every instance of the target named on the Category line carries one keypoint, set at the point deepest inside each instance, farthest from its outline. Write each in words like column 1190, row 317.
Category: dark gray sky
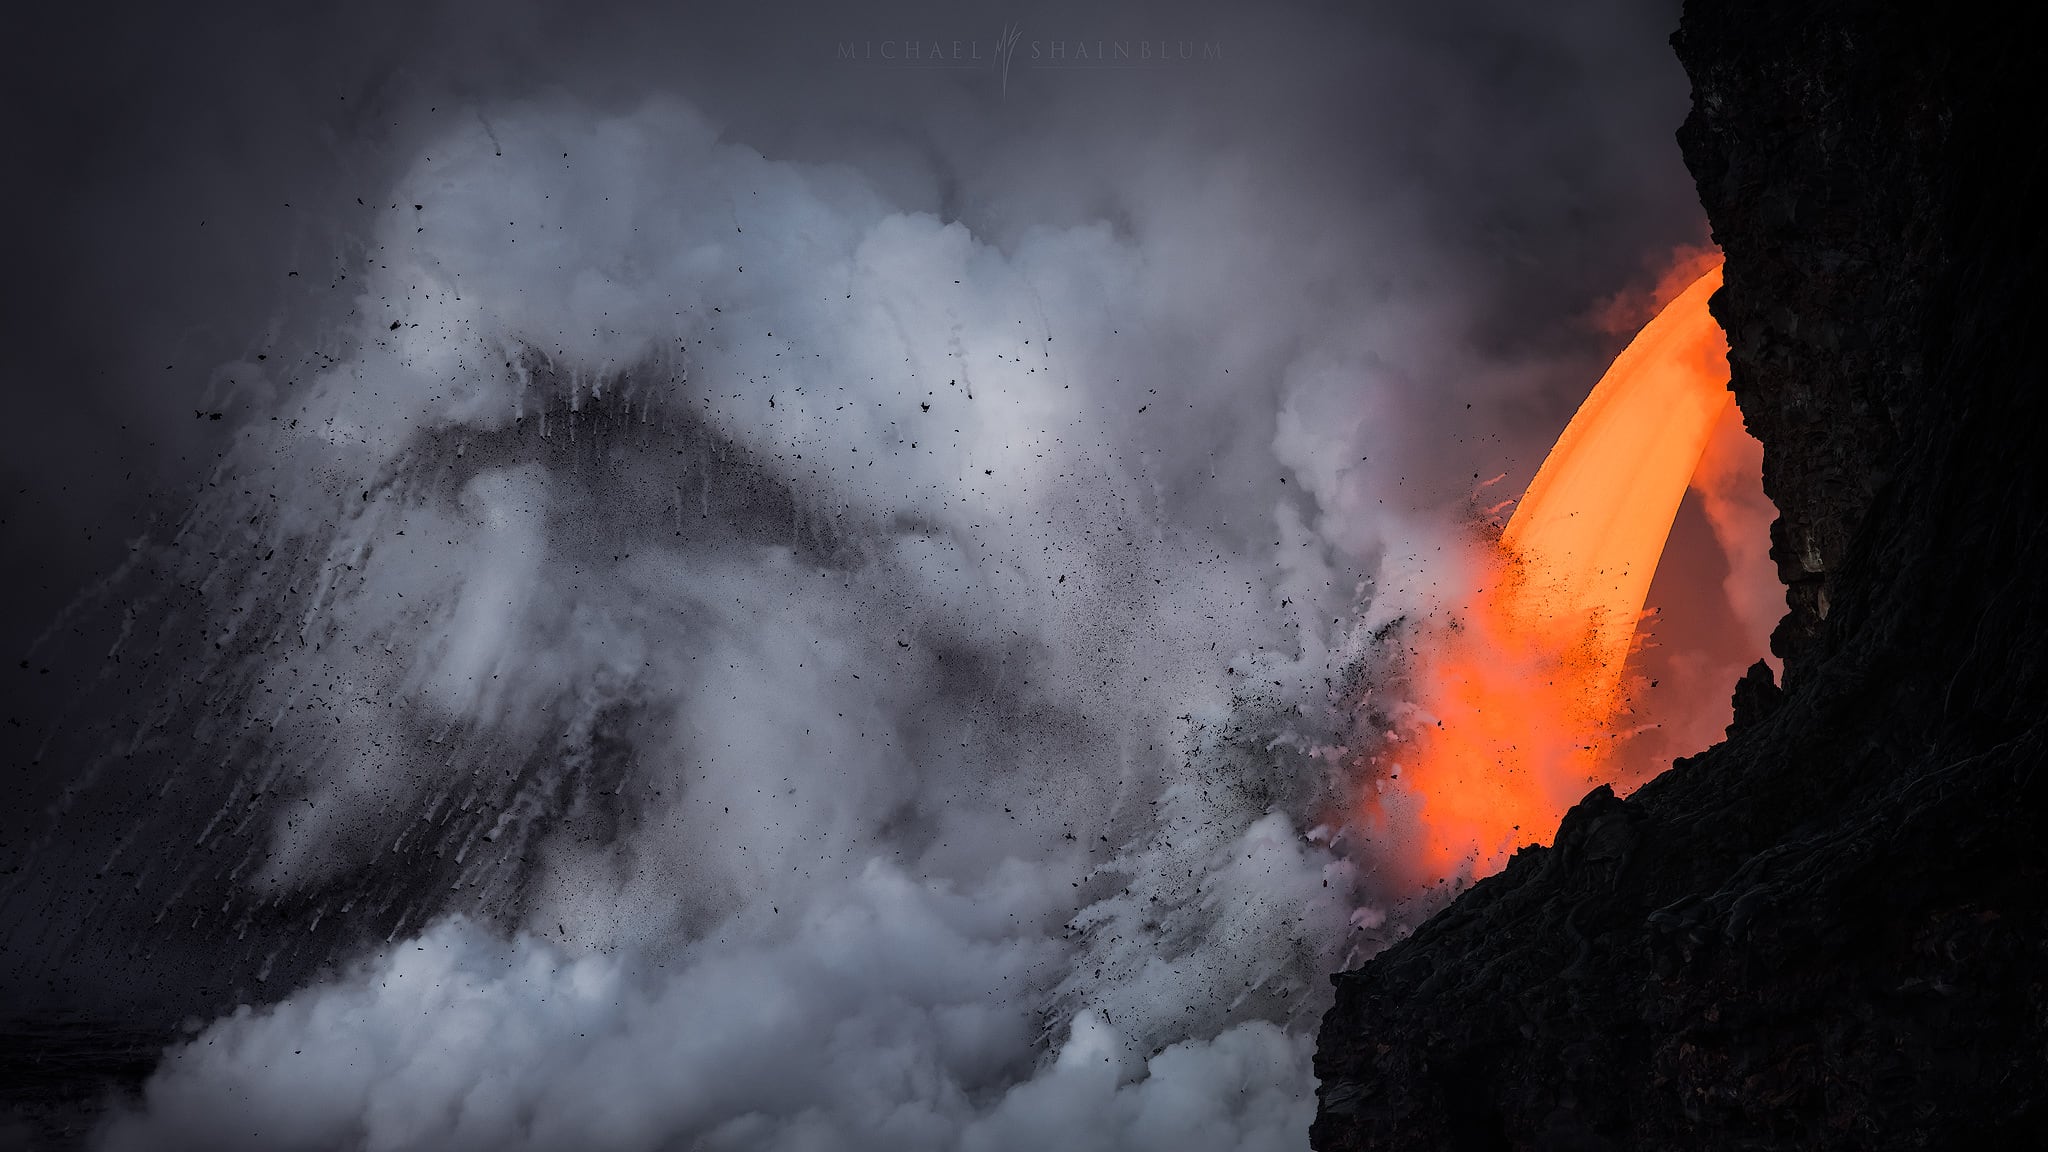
column 155, row 148
column 1247, row 329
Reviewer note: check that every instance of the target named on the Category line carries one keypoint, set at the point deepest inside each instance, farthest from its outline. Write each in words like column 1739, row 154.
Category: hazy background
column 157, row 148
column 1005, row 658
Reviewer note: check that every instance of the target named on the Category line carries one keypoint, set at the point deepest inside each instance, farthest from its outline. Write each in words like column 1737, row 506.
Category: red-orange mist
column 1517, row 701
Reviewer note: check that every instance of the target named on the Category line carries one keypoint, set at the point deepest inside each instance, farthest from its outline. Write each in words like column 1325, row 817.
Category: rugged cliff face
column 1830, row 931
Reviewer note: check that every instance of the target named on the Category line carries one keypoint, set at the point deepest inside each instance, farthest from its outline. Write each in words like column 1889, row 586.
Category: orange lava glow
column 1516, row 700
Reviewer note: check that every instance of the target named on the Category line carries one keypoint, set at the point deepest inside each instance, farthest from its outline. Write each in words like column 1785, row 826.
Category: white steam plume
column 850, row 685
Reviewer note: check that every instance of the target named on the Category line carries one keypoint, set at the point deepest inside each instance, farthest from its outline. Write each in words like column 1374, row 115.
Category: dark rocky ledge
column 1830, row 931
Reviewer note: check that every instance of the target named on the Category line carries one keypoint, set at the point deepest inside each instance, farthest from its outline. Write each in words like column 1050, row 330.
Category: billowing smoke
column 774, row 612
column 705, row 648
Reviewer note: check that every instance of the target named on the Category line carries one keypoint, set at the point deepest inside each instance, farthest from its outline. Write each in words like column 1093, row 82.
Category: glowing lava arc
column 1512, row 702
column 1592, row 525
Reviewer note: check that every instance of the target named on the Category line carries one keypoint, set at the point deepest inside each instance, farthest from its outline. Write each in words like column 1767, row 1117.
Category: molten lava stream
column 1514, row 701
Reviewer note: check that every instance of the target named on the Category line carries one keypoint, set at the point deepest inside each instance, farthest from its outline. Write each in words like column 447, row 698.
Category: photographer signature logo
column 1010, row 52
column 1006, row 50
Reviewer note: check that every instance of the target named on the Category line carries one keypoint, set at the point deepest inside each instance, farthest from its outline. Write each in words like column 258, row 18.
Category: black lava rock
column 1830, row 931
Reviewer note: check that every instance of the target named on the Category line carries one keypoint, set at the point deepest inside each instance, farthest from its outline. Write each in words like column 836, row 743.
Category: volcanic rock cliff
column 1830, row 931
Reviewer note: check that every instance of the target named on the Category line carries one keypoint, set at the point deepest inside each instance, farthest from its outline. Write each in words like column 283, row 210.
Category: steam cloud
column 760, row 661
column 875, row 747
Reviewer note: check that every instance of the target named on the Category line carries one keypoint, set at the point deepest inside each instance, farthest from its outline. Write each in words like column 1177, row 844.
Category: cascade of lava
column 1514, row 701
